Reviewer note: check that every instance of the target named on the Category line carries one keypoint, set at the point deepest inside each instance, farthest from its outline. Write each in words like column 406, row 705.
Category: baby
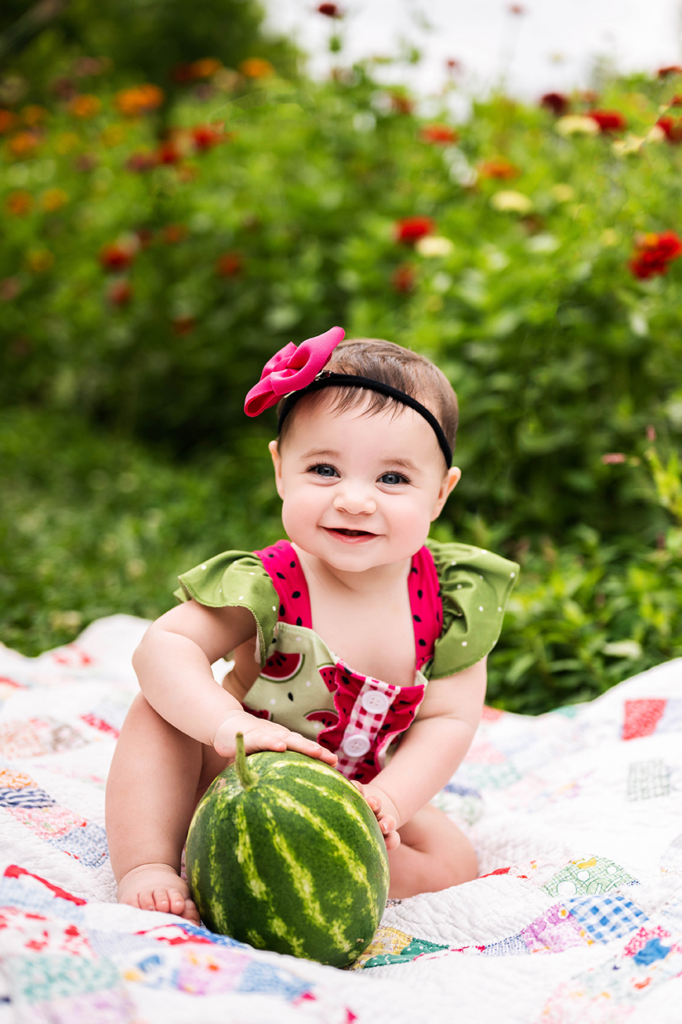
column 355, row 641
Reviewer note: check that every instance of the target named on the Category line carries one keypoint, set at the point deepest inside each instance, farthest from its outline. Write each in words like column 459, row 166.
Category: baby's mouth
column 349, row 533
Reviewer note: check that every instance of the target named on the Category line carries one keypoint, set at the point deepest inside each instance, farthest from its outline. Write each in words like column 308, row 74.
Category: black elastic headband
column 347, row 380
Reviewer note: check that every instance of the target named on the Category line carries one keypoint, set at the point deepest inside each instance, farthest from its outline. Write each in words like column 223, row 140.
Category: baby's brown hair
column 390, row 364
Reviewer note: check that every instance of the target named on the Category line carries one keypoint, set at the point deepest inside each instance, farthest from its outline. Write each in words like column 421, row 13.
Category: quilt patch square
column 648, row 779
column 590, row 876
column 608, row 917
column 641, row 717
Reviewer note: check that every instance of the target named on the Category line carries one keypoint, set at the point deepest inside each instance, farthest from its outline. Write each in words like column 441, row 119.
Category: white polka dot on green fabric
column 464, row 643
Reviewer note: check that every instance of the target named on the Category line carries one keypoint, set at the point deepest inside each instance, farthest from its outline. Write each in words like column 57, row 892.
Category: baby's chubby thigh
column 434, row 854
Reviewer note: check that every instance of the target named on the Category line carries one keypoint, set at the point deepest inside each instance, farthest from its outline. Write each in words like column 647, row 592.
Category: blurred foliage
column 154, row 256
column 92, row 526
column 50, row 44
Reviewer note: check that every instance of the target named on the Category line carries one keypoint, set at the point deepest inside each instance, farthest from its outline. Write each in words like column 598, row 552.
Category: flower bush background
column 158, row 244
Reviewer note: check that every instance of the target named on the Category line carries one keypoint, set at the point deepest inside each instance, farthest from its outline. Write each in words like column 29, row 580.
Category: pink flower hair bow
column 291, row 369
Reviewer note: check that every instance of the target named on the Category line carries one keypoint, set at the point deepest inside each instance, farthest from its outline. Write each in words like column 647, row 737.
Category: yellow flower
column 85, row 105
column 434, row 245
column 508, row 201
column 113, row 134
column 23, row 143
column 66, row 142
column 256, row 67
column 563, row 193
column 576, row 124
column 39, row 260
column 54, row 199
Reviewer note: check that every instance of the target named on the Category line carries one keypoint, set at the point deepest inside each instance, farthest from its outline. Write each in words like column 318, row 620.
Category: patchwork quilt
column 576, row 919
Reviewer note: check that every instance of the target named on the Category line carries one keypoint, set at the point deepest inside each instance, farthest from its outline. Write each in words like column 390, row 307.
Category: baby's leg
column 156, row 777
column 433, row 855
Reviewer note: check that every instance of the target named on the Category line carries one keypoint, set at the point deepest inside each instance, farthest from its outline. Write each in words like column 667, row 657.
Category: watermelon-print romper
column 457, row 596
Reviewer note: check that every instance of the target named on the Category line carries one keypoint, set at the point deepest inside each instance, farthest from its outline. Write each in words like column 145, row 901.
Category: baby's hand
column 262, row 735
column 385, row 811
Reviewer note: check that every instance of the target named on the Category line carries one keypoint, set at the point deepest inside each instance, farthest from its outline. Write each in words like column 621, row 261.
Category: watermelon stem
column 246, row 776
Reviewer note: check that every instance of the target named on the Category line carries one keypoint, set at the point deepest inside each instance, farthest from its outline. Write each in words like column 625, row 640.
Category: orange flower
column 439, row 133
column 40, row 260
column 8, row 121
column 23, row 143
column 33, row 115
column 206, row 67
column 85, row 105
column 653, row 253
column 498, row 168
column 401, row 103
column 184, row 324
column 404, row 278
column 54, row 199
column 140, row 99
column 174, row 233
column 120, row 292
column 256, row 67
column 19, row 203
column 229, row 264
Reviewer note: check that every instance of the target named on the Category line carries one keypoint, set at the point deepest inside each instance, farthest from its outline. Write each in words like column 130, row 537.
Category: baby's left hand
column 385, row 811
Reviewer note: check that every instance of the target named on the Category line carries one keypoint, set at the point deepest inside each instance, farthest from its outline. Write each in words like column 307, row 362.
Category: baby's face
column 360, row 491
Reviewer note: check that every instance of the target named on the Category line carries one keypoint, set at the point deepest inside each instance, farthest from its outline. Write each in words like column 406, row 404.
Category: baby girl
column 357, row 640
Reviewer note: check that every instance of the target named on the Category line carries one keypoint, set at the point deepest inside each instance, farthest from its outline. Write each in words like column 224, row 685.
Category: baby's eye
column 323, row 469
column 393, row 478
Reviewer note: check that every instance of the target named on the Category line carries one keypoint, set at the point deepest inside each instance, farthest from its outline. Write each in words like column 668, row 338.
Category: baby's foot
column 158, row 887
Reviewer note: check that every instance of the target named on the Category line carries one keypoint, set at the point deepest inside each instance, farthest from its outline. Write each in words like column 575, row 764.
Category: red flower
column 411, row 229
column 140, row 162
column 330, row 10
column 653, row 253
column 608, row 120
column 116, row 256
column 676, row 101
column 168, row 153
column 671, row 69
column 404, row 278
column 440, row 133
column 556, row 102
column 453, row 65
column 671, row 127
column 229, row 264
column 120, row 293
column 205, row 136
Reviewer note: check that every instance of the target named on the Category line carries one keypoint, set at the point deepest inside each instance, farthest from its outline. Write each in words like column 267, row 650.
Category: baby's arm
column 173, row 665
column 431, row 750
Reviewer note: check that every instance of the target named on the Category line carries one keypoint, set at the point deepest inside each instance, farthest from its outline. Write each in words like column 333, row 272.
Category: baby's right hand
column 262, row 735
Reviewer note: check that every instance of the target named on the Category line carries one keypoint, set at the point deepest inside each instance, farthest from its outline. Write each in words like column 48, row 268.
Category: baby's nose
column 355, row 501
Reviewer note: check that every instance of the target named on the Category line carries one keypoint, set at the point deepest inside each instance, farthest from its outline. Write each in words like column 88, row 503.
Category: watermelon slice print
column 328, row 673
column 258, row 713
column 282, row 667
column 326, row 716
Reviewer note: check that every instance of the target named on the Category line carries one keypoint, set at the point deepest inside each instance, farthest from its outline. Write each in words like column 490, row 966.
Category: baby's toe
column 177, row 902
column 161, row 900
column 145, row 900
column 191, row 913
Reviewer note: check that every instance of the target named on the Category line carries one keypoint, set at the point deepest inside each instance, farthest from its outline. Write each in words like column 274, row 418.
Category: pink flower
column 291, row 369
column 613, row 458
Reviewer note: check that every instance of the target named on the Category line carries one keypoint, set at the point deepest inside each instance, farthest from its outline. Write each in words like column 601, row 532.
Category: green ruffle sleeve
column 235, row 579
column 475, row 588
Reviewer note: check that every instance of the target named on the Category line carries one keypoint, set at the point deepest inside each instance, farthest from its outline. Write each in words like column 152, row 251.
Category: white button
column 356, row 746
column 375, row 702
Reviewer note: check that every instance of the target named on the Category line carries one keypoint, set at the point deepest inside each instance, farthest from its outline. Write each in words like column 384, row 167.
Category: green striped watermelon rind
column 296, row 864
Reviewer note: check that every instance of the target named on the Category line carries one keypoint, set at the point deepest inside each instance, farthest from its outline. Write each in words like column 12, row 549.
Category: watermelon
column 281, row 666
column 284, row 853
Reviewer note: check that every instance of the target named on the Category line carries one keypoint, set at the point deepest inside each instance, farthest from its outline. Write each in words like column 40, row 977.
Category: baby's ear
column 450, row 481
column 277, row 463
